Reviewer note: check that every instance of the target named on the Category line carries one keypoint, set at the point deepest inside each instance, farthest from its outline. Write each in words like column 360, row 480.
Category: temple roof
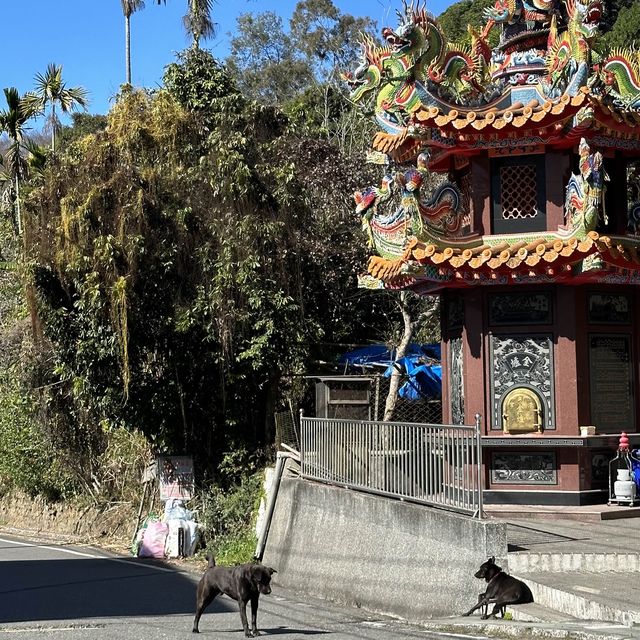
column 437, row 265
column 434, row 93
column 548, row 84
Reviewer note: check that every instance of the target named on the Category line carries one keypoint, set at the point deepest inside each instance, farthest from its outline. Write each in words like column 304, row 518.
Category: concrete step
column 587, row 513
column 535, row 612
column 606, row 596
column 555, row 562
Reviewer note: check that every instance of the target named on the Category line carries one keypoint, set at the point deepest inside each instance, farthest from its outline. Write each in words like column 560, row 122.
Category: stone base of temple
column 549, row 498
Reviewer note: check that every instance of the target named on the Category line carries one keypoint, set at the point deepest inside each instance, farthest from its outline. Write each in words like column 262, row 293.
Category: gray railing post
column 303, row 442
column 479, row 465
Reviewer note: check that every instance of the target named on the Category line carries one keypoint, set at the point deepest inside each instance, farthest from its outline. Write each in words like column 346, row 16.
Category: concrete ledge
column 613, row 600
column 562, row 562
column 384, row 555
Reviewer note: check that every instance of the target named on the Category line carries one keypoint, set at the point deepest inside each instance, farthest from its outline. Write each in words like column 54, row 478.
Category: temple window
column 518, row 194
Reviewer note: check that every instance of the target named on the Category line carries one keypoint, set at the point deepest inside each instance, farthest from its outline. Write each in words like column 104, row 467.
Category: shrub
column 27, row 460
column 230, row 517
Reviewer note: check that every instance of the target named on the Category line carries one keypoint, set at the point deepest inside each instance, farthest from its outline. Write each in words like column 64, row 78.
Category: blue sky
column 87, row 38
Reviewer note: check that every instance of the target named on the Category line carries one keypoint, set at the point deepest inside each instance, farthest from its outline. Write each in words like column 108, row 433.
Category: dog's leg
column 254, row 615
column 242, row 605
column 499, row 608
column 482, row 602
column 485, row 603
column 205, row 597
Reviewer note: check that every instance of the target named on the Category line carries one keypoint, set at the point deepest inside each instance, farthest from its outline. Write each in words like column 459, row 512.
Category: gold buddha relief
column 521, row 411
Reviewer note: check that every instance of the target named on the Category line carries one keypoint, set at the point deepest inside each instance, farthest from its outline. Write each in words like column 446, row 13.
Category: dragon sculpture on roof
column 569, row 54
column 619, row 71
column 427, row 90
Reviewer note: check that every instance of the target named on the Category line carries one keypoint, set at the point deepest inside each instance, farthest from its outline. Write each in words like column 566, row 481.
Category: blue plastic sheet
column 378, row 354
column 420, row 364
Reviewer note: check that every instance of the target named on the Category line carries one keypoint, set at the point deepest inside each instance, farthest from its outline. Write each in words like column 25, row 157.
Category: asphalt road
column 78, row 593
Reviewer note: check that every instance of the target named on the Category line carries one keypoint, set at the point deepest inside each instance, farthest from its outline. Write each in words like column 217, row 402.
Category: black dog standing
column 502, row 589
column 243, row 583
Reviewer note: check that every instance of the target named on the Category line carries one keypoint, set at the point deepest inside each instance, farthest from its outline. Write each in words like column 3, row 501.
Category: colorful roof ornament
column 546, row 86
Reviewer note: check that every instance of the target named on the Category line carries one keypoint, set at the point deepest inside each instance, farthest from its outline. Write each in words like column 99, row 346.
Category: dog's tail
column 211, row 560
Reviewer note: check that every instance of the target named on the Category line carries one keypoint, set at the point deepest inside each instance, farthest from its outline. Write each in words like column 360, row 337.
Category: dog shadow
column 278, row 631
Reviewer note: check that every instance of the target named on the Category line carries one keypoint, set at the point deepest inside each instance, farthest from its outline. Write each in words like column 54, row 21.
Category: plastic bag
column 174, row 509
column 137, row 541
column 182, row 538
column 153, row 540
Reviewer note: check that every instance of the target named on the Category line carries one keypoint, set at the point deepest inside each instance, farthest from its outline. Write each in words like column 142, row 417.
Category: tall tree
column 455, row 19
column 13, row 121
column 279, row 65
column 51, row 91
column 265, row 60
column 129, row 7
column 328, row 39
column 198, row 22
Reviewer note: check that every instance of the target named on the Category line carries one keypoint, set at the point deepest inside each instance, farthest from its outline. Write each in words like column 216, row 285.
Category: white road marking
column 40, row 629
column 586, row 589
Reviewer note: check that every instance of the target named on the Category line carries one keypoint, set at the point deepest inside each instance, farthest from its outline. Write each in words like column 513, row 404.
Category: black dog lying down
column 243, row 583
column 502, row 589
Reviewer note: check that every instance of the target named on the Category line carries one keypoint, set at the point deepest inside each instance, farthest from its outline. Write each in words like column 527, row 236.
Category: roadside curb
column 515, row 629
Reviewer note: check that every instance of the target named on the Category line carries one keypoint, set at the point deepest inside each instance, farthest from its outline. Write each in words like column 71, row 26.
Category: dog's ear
column 492, row 559
column 271, row 571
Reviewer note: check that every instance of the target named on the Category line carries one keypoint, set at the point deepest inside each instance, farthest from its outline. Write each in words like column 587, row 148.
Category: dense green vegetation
column 181, row 260
column 178, row 265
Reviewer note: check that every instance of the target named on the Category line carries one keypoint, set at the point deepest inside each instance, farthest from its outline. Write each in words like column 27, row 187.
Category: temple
column 510, row 186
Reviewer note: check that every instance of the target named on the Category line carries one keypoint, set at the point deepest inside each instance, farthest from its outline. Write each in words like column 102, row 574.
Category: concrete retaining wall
column 384, row 555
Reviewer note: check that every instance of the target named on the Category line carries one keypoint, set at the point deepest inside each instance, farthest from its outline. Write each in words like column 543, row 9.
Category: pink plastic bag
column 153, row 540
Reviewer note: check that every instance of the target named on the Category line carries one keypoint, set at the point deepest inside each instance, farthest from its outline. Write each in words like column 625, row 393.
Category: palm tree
column 6, row 184
column 198, row 23
column 13, row 122
column 51, row 90
column 129, row 7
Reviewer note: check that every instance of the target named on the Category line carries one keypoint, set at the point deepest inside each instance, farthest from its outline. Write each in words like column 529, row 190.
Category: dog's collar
column 494, row 577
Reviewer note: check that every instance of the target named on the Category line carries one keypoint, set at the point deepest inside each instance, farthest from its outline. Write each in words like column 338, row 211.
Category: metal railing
column 432, row 464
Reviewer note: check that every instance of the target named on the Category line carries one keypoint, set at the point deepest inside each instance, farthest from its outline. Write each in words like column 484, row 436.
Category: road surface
column 80, row 593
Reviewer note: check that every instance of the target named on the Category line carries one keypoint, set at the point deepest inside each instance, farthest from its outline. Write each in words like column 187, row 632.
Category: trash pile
column 175, row 535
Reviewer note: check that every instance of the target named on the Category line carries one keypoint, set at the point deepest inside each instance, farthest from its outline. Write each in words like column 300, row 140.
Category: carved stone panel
column 523, row 468
column 609, row 309
column 612, row 383
column 522, row 361
column 520, row 308
column 456, row 381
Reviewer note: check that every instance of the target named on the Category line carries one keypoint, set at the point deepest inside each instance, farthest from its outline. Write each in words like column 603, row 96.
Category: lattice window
column 519, row 192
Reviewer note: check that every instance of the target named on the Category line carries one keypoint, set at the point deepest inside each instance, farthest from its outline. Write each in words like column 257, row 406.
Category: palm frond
column 129, row 7
column 37, row 158
column 198, row 22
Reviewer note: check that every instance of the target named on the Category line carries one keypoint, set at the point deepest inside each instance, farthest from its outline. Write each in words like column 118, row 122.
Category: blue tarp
column 378, row 354
column 420, row 364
